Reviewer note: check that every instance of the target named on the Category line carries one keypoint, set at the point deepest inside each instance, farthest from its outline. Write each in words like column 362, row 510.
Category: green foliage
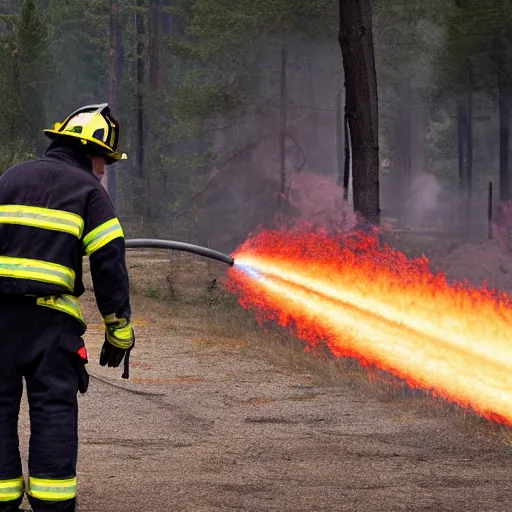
column 222, row 42
column 78, row 32
column 54, row 58
column 14, row 152
column 407, row 36
column 437, row 47
column 217, row 57
column 231, row 29
column 34, row 72
column 23, row 82
column 478, row 35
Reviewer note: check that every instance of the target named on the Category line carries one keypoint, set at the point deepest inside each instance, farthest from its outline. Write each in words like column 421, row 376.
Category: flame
column 366, row 300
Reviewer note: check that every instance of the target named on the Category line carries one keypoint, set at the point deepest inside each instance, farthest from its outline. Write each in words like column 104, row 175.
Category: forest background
column 233, row 113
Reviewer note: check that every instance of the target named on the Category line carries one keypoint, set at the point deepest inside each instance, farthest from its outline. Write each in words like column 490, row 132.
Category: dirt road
column 215, row 420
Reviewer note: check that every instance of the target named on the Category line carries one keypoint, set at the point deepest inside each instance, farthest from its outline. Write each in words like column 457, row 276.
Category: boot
column 52, row 506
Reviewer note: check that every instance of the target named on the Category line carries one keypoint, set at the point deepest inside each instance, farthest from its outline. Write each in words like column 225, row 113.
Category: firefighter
column 53, row 211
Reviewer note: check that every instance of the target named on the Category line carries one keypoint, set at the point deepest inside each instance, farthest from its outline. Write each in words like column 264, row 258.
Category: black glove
column 119, row 341
column 111, row 356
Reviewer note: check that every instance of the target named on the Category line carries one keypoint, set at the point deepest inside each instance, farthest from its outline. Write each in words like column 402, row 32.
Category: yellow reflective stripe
column 52, row 490
column 65, row 303
column 102, row 235
column 36, row 270
column 119, row 331
column 11, row 489
column 46, row 218
column 122, row 337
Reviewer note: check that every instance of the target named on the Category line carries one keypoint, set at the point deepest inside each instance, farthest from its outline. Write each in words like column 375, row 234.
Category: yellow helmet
column 95, row 127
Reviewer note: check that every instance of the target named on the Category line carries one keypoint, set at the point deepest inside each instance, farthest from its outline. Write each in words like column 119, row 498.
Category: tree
column 141, row 69
column 34, row 72
column 407, row 36
column 475, row 59
column 114, row 74
column 203, row 86
column 78, row 35
column 356, row 43
column 24, row 84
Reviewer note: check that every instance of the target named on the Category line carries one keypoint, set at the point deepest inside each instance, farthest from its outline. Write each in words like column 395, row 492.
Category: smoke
column 318, row 200
column 423, row 205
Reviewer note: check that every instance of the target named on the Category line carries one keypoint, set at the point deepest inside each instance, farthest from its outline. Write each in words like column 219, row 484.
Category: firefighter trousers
column 40, row 345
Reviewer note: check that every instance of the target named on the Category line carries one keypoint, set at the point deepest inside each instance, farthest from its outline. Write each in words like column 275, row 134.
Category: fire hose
column 154, row 243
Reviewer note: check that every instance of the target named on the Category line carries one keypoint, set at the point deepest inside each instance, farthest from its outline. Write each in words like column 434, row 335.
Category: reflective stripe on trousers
column 11, row 490
column 46, row 489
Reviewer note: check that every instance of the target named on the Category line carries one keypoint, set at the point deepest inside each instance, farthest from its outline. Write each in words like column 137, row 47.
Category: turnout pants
column 42, row 345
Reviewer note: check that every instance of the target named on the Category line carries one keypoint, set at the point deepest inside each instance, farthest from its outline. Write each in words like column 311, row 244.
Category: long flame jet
column 368, row 301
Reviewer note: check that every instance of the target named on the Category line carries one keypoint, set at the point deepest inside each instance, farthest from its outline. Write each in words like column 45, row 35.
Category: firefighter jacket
column 53, row 211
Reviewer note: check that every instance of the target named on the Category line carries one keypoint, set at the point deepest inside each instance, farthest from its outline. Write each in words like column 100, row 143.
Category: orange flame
column 369, row 301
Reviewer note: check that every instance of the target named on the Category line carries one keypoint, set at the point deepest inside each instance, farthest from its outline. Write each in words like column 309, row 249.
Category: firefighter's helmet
column 95, row 127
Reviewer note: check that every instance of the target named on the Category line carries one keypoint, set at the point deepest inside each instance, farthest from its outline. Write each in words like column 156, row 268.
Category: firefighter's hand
column 110, row 355
column 119, row 340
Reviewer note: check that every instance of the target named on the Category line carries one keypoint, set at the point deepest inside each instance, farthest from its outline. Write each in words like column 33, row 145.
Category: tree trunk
column 356, row 43
column 283, row 120
column 14, row 125
column 167, row 18
column 113, row 74
column 469, row 149
column 313, row 126
column 504, row 115
column 339, row 139
column 347, row 164
column 465, row 136
column 404, row 143
column 140, row 88
column 143, row 185
column 342, row 145
column 462, row 142
column 155, row 23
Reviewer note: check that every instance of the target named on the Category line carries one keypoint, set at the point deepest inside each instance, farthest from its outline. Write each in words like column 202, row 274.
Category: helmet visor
column 112, row 138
